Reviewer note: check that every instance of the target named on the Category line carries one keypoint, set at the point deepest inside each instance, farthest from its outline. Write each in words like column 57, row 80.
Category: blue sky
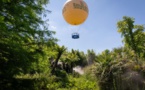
column 99, row 31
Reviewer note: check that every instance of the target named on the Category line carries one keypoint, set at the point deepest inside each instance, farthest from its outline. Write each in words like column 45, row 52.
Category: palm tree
column 60, row 50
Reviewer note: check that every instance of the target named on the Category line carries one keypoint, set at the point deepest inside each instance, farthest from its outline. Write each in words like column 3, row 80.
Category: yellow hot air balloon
column 75, row 12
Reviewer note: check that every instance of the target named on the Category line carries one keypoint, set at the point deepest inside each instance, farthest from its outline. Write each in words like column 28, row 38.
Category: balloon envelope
column 75, row 12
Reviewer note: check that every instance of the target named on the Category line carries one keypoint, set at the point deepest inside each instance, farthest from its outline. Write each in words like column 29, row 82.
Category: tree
column 91, row 56
column 60, row 51
column 133, row 35
column 24, row 38
column 82, row 59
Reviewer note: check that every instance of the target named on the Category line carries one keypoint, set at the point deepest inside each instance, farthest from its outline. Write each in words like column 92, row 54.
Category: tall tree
column 133, row 35
column 24, row 35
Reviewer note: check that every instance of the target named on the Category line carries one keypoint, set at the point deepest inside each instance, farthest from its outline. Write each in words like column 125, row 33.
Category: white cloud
column 53, row 27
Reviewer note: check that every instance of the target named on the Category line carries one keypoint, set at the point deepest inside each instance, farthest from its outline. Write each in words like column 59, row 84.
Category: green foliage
column 70, row 57
column 133, row 35
column 25, row 42
column 82, row 83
